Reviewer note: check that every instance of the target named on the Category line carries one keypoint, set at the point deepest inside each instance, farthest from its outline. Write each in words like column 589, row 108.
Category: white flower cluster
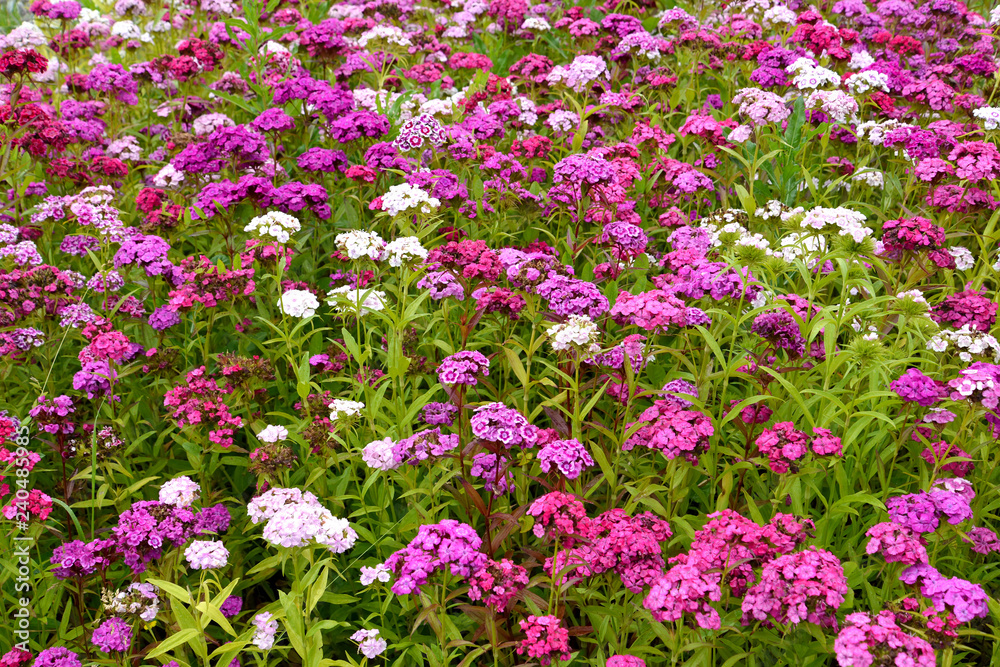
column 736, row 234
column 408, row 198
column 346, row 299
column 797, row 245
column 861, row 60
column 358, row 243
column 536, row 23
column 871, row 177
column 274, row 225
column 404, row 250
column 779, row 14
column 272, row 434
column 862, row 82
column 369, row 575
column 995, row 16
column 140, row 599
column 127, row 30
column 875, row 131
column 836, row 103
column 579, row 333
column 914, row 295
column 563, row 120
column 298, row 303
column 968, row 341
column 809, row 76
column 963, row 257
column 990, row 117
column 294, row 519
column 384, row 33
column 380, row 100
column 850, row 223
column 378, row 454
column 180, row 491
column 340, row 408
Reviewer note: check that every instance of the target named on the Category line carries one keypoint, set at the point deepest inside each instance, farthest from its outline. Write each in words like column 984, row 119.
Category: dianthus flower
column 464, row 367
column 915, row 511
column 979, row 383
column 970, row 307
column 732, row 543
column 423, row 445
column 960, row 597
column 569, row 456
column 632, row 546
column 656, row 309
column 560, row 516
column 206, row 554
column 782, row 444
column 545, row 639
column 180, row 491
column 941, row 450
column 470, row 259
column 264, row 630
column 145, row 529
column 408, row 199
column 626, row 239
column 583, row 71
column 370, row 644
column 983, row 540
column 781, row 331
column 298, row 303
column 803, row 586
column 56, row 656
column 579, row 334
column 761, row 107
column 436, row 546
column 112, row 635
column 824, row 443
column 914, row 386
column 439, row 414
column 369, row 575
column 866, row 641
column 895, row 543
column 294, row 519
column 625, row 661
column 81, row 559
column 358, row 243
column 201, row 402
column 672, row 429
column 273, row 120
column 686, row 589
column 496, row 583
column 274, row 225
column 569, row 296
column 493, row 470
column 495, row 422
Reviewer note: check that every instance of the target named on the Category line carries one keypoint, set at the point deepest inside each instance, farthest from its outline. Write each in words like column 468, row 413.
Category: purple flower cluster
column 807, row 585
column 495, row 422
column 464, row 368
column 448, row 544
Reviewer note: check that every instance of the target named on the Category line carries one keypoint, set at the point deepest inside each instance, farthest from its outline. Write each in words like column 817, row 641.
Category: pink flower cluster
column 673, row 430
column 559, row 516
column 464, row 368
column 782, row 444
column 201, row 402
column 497, row 582
column 545, row 639
column 866, row 641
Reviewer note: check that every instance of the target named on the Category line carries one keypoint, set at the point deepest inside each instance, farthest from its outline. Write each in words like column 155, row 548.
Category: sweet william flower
column 298, row 303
